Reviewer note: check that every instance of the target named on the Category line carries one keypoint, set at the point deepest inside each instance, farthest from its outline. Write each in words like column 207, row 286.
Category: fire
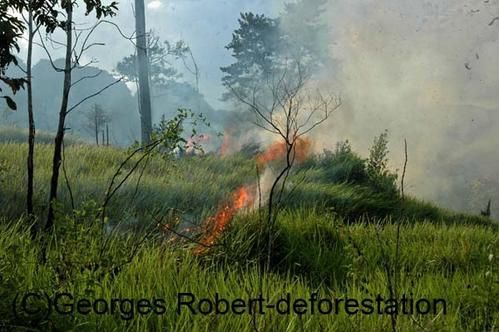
column 215, row 225
column 278, row 151
column 193, row 143
column 227, row 142
column 244, row 196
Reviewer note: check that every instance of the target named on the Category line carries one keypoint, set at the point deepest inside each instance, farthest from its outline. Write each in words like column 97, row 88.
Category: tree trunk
column 143, row 73
column 59, row 138
column 31, row 122
column 107, row 134
column 96, row 126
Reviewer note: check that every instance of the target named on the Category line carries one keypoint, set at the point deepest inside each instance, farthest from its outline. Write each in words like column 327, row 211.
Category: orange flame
column 195, row 142
column 242, row 198
column 227, row 142
column 215, row 225
column 278, row 151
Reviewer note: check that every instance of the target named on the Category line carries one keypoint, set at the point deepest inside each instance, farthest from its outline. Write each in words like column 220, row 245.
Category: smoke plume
column 427, row 71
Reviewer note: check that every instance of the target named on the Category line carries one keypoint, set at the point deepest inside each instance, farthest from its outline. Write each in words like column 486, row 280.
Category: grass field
column 337, row 238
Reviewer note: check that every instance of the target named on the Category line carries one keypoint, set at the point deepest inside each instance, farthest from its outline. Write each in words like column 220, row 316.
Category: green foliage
column 92, row 250
column 3, row 170
column 316, row 253
column 160, row 56
column 343, row 165
column 378, row 155
column 265, row 48
column 11, row 29
column 170, row 132
column 197, row 184
column 380, row 176
column 255, row 47
column 316, row 247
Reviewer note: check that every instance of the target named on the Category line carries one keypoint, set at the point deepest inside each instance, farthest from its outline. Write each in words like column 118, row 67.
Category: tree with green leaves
column 255, row 46
column 11, row 29
column 161, row 54
column 266, row 49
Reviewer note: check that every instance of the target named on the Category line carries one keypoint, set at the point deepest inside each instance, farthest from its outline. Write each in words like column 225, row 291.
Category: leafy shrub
column 344, row 166
column 380, row 177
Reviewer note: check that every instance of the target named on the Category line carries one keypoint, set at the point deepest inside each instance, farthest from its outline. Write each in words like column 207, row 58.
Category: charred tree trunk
column 143, row 73
column 59, row 138
column 31, row 123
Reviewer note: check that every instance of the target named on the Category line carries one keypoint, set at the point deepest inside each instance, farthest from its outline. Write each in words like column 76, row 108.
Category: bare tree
column 77, row 42
column 97, row 121
column 289, row 110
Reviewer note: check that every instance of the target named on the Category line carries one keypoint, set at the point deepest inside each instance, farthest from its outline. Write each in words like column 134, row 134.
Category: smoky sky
column 428, row 71
column 205, row 25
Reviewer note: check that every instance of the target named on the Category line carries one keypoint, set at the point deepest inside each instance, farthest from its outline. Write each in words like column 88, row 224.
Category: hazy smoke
column 427, row 71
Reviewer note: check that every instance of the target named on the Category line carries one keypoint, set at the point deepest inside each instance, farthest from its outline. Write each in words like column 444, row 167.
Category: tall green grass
column 336, row 233
column 194, row 185
column 449, row 262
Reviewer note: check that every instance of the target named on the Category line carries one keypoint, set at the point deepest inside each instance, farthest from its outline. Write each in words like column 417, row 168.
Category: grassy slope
column 444, row 256
column 195, row 185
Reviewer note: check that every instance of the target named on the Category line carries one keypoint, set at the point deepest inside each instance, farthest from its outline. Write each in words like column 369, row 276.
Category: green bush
column 343, row 165
column 380, row 177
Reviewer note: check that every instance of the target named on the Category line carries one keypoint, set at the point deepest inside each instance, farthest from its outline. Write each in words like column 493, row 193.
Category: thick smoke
column 427, row 71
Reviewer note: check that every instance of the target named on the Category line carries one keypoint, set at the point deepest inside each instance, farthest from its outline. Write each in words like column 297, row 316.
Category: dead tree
column 289, row 110
column 486, row 212
column 97, row 121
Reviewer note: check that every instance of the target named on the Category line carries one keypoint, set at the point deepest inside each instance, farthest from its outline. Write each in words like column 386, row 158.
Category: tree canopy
column 264, row 48
column 160, row 54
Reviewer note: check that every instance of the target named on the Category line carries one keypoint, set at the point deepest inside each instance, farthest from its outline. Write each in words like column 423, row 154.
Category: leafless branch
column 403, row 172
column 86, row 77
column 42, row 45
column 288, row 102
column 94, row 94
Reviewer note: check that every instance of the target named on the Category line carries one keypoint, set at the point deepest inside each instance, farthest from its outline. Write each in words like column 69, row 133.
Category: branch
column 255, row 108
column 42, row 45
column 94, row 94
column 326, row 115
column 86, row 77
column 405, row 166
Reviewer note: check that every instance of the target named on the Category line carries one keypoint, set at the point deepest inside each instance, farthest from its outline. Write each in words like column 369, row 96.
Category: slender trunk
column 96, row 123
column 107, row 134
column 272, row 215
column 31, row 123
column 59, row 138
column 102, row 140
column 143, row 73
